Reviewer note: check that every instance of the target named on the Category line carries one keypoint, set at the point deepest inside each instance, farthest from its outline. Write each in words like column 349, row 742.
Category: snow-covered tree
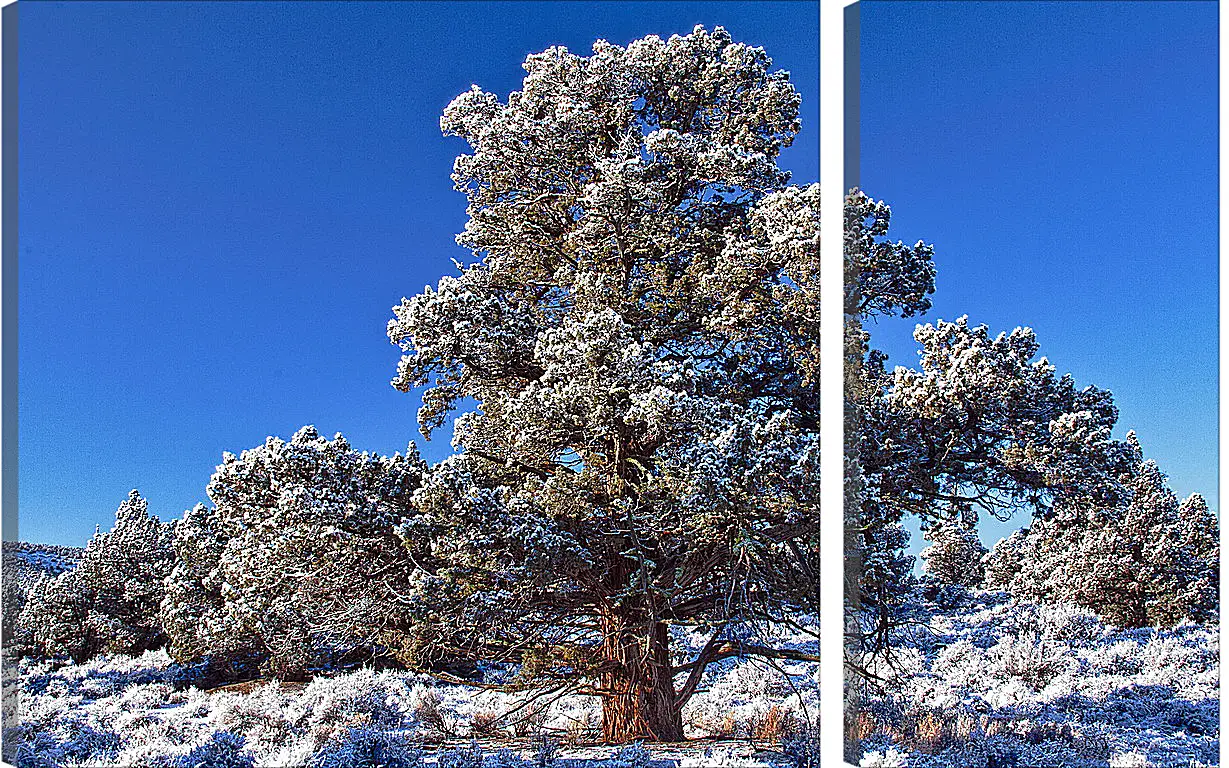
column 24, row 565
column 982, row 426
column 109, row 602
column 1147, row 561
column 1002, row 563
column 955, row 553
column 296, row 563
column 639, row 332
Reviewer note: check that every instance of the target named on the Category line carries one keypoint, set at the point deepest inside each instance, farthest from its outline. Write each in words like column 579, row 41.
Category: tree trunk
column 638, row 696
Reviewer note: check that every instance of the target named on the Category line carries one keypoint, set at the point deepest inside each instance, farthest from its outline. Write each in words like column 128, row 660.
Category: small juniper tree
column 296, row 563
column 639, row 331
column 1004, row 560
column 955, row 553
column 109, row 602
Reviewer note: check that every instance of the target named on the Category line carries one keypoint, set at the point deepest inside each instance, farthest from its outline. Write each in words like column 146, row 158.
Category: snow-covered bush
column 506, row 758
column 369, row 747
column 1133, row 759
column 888, row 759
column 802, row 747
column 293, row 565
column 222, row 750
column 467, row 756
column 632, row 756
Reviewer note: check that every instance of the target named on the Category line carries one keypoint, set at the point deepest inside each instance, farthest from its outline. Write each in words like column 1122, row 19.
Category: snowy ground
column 996, row 685
column 145, row 711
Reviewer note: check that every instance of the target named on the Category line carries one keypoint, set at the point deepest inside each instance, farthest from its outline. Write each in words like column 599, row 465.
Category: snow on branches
column 639, row 332
column 109, row 601
column 296, row 563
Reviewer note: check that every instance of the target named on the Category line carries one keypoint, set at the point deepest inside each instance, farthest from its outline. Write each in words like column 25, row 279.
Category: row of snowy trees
column 1148, row 561
column 295, row 565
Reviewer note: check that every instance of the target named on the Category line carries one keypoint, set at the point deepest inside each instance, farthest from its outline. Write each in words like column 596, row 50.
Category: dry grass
column 773, row 726
column 529, row 724
column 583, row 731
column 486, row 724
column 428, row 712
column 933, row 733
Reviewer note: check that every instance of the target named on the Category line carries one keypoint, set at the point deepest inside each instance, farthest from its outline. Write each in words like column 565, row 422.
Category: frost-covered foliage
column 148, row 711
column 639, row 330
column 983, row 425
column 890, row 758
column 1149, row 561
column 1015, row 684
column 368, row 747
column 955, row 553
column 223, row 750
column 1004, row 560
column 109, row 601
column 296, row 564
column 24, row 565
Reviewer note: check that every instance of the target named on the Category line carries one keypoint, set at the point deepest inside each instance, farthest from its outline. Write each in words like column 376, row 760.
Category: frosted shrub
column 329, row 705
column 889, row 759
column 1068, row 624
column 962, row 664
column 749, row 700
column 70, row 741
column 632, row 756
column 260, row 715
column 429, row 709
column 720, row 758
column 803, row 747
column 1029, row 658
column 27, row 747
column 1130, row 760
column 223, row 750
column 468, row 756
column 506, row 758
column 367, row 747
column 546, row 748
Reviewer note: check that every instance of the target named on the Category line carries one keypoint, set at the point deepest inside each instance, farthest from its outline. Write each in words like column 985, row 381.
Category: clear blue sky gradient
column 220, row 203
column 1062, row 158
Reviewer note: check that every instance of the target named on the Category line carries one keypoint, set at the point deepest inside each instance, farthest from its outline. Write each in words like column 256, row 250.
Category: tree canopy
column 638, row 336
column 296, row 564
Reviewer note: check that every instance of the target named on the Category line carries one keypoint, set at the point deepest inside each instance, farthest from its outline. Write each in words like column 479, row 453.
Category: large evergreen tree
column 638, row 337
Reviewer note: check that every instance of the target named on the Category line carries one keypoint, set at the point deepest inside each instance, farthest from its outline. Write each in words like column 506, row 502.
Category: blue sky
column 1062, row 158
column 220, row 203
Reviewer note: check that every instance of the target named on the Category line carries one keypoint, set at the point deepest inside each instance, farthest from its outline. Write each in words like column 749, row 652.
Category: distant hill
column 22, row 564
column 23, row 557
